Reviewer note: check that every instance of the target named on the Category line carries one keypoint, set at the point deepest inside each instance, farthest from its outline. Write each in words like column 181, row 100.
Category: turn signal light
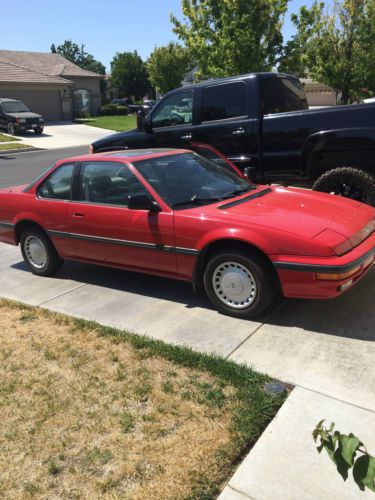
column 338, row 276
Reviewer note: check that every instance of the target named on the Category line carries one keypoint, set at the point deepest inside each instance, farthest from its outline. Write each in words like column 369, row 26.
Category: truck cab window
column 221, row 102
column 176, row 109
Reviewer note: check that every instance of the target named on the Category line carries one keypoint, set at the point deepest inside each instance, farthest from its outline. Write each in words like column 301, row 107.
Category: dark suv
column 15, row 117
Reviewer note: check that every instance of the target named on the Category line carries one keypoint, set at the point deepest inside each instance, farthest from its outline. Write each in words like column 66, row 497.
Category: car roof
column 228, row 79
column 5, row 99
column 131, row 155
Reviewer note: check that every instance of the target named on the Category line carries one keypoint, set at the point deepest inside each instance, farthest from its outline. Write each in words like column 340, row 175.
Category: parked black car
column 15, row 117
column 262, row 121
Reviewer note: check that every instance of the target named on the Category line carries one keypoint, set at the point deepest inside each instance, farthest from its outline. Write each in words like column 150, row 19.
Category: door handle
column 186, row 137
column 78, row 215
column 239, row 131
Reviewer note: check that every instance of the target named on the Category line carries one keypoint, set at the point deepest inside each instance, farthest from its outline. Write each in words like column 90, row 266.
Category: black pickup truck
column 261, row 122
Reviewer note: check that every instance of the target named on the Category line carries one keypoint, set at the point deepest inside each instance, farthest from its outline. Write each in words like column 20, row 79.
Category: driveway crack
column 62, row 294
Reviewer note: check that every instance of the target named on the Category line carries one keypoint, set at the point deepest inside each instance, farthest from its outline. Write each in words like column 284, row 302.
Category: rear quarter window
column 280, row 95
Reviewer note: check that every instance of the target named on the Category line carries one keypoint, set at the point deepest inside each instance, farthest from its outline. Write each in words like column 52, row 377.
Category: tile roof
column 13, row 73
column 44, row 62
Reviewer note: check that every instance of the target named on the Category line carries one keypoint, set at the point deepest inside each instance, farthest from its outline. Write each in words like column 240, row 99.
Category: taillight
column 91, row 149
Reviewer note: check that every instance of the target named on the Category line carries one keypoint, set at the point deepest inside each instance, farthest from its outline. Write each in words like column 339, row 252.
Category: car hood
column 29, row 114
column 119, row 138
column 299, row 212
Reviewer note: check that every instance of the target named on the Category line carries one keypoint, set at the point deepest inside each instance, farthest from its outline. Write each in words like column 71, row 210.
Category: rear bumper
column 298, row 275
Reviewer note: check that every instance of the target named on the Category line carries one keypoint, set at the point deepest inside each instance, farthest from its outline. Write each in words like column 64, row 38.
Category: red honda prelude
column 197, row 218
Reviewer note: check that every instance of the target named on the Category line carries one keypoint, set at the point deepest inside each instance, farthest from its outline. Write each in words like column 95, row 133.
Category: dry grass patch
column 92, row 412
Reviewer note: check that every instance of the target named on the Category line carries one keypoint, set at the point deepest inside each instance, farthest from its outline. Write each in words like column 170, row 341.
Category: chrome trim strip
column 125, row 243
column 6, row 224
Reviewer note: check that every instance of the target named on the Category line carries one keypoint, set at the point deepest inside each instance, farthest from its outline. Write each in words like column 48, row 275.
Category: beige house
column 49, row 84
column 318, row 94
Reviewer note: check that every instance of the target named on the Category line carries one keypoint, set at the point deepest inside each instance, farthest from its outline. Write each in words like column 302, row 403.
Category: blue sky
column 105, row 27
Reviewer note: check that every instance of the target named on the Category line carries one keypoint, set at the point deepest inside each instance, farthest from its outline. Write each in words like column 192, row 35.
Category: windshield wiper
column 197, row 200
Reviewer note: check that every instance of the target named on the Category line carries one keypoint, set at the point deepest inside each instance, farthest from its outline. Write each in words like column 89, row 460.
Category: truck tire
column 348, row 182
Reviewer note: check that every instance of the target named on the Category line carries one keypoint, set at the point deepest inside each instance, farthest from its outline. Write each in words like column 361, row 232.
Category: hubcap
column 35, row 252
column 234, row 285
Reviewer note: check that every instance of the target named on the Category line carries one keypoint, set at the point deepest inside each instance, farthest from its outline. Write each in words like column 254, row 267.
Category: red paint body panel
column 292, row 227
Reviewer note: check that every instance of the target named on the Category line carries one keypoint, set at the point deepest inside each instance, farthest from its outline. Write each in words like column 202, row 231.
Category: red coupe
column 197, row 218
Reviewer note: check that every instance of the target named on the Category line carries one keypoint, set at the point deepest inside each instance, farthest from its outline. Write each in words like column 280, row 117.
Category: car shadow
column 351, row 315
column 29, row 133
column 130, row 282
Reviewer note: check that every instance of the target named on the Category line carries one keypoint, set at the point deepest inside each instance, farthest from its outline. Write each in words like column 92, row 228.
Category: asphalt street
column 21, row 168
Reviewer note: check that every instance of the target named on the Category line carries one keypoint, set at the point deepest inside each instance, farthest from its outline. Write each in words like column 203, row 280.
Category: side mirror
column 250, row 172
column 142, row 201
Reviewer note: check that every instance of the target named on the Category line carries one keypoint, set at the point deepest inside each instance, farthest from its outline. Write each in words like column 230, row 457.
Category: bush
column 113, row 109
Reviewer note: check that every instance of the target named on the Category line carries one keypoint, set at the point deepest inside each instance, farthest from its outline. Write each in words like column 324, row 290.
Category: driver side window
column 176, row 109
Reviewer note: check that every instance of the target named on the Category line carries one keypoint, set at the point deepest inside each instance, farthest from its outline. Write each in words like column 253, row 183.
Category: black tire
column 348, row 182
column 38, row 237
column 11, row 128
column 38, row 131
column 261, row 272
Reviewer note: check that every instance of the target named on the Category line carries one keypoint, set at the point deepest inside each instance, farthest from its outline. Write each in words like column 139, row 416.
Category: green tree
column 129, row 74
column 167, row 66
column 229, row 37
column 335, row 46
column 77, row 55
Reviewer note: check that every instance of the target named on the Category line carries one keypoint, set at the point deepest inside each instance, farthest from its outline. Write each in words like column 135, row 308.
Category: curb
column 18, row 150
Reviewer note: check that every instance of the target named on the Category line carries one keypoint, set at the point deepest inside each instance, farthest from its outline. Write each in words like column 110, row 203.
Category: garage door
column 43, row 102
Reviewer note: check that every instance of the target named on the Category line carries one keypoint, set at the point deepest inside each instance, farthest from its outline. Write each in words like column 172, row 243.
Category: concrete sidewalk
column 325, row 348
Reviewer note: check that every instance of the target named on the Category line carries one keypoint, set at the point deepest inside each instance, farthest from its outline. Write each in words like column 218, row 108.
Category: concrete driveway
column 64, row 135
column 324, row 348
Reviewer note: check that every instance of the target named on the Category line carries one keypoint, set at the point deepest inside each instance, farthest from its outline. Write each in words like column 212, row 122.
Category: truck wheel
column 239, row 284
column 39, row 253
column 348, row 182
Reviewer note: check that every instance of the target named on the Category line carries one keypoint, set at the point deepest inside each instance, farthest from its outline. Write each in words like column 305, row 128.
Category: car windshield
column 186, row 179
column 15, row 107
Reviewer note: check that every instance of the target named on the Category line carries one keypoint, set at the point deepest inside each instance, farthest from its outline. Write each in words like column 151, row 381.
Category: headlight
column 21, row 120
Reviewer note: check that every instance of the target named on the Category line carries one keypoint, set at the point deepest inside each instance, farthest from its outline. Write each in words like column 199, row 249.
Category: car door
column 224, row 122
column 105, row 230
column 213, row 154
column 171, row 122
column 52, row 206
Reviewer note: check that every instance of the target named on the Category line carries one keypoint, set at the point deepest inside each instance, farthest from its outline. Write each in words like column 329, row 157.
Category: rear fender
column 322, row 150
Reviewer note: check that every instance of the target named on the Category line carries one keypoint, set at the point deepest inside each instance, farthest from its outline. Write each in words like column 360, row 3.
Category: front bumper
column 298, row 275
column 22, row 127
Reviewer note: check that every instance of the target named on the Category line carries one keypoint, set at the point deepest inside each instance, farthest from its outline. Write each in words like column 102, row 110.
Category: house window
column 82, row 102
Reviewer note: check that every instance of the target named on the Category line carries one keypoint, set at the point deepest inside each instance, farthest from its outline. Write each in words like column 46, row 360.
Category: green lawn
column 117, row 123
column 7, row 138
column 5, row 147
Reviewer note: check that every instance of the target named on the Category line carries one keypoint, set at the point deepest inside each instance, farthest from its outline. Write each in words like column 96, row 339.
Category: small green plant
column 346, row 452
